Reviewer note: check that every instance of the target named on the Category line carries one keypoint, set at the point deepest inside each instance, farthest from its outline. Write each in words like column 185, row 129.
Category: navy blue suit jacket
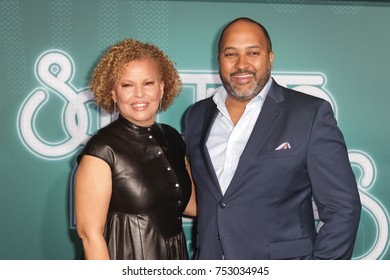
column 266, row 212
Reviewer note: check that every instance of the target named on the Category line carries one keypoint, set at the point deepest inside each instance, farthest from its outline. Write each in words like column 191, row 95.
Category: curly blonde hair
column 110, row 67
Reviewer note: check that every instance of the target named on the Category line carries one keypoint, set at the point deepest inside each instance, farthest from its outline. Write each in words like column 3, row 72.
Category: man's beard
column 248, row 94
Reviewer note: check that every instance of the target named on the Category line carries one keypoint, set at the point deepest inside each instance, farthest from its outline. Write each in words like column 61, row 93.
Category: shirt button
column 222, row 205
column 150, row 136
column 149, row 129
column 179, row 202
column 168, row 168
column 177, row 185
column 159, row 152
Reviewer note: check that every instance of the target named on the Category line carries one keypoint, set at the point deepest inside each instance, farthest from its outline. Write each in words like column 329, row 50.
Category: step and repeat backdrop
column 337, row 50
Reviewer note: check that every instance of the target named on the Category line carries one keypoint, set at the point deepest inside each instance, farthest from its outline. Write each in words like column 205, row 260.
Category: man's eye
column 254, row 53
column 229, row 54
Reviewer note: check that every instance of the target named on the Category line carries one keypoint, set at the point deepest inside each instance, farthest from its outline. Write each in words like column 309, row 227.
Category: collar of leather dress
column 135, row 128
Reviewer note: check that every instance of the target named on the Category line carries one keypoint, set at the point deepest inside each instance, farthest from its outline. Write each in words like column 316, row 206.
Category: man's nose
column 242, row 62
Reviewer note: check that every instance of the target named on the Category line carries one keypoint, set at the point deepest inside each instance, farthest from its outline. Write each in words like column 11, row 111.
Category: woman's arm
column 191, row 206
column 93, row 189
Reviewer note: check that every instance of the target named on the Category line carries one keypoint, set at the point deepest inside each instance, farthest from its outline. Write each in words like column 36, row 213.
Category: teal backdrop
column 338, row 50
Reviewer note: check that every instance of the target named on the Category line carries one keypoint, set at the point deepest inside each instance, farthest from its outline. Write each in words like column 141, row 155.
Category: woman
column 132, row 184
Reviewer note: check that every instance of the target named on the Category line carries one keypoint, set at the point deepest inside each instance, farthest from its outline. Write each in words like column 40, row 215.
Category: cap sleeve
column 97, row 147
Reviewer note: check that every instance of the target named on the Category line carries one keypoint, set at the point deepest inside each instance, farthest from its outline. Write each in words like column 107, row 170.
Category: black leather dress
column 150, row 189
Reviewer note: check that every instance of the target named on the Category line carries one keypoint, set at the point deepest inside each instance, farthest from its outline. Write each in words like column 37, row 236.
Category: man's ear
column 271, row 58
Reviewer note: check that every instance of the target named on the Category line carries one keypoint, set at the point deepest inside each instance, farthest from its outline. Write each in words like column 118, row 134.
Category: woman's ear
column 161, row 89
column 113, row 95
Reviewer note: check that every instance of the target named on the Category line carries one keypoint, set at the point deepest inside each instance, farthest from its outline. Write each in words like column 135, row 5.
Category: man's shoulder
column 201, row 105
column 293, row 96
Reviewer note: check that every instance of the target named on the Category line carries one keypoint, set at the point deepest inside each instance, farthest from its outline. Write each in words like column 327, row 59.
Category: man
column 260, row 153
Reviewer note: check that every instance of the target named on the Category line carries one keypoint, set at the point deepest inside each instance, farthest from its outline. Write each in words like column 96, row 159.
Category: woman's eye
column 149, row 83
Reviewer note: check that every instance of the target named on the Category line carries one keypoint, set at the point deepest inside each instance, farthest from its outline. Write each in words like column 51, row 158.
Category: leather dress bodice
column 149, row 176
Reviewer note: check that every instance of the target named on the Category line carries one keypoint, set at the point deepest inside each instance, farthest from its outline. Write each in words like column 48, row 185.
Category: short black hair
column 269, row 43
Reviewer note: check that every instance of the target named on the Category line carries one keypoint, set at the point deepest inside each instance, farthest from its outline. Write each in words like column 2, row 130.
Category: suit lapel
column 269, row 115
column 210, row 115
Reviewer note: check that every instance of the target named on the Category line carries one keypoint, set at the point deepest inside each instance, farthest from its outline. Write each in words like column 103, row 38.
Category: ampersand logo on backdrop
column 54, row 69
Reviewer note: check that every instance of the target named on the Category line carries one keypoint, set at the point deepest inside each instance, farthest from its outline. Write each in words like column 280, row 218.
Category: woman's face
column 139, row 91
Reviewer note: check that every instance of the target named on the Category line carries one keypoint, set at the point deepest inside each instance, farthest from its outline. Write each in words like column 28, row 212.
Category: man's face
column 245, row 62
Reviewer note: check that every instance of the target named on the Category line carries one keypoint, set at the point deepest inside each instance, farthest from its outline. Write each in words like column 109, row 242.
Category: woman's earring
column 160, row 105
column 114, row 114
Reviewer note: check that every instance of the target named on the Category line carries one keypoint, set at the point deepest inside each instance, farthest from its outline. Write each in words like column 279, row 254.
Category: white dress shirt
column 227, row 141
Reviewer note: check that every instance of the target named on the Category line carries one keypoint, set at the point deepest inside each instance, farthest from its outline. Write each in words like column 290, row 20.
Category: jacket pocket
column 291, row 249
column 281, row 153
